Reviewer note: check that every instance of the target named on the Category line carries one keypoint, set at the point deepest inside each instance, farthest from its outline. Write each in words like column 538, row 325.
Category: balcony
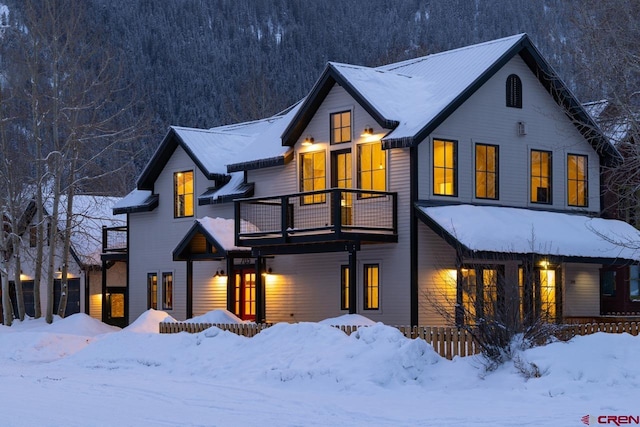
column 114, row 243
column 324, row 217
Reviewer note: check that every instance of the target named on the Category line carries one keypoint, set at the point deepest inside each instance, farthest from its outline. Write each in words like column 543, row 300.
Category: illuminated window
column 540, row 176
column 486, row 171
column 548, row 295
column 344, row 287
column 340, row 127
column 152, row 291
column 577, row 180
column 514, row 91
column 183, row 194
column 444, row 168
column 371, row 286
column 480, row 292
column 313, row 176
column 167, row 291
column 372, row 160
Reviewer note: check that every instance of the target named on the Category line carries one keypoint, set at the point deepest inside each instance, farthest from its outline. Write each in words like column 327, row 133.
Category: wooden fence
column 448, row 342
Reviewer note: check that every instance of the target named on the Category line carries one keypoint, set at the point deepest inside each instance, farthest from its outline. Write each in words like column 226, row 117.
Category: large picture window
column 577, row 181
column 313, row 176
column 540, row 176
column 372, row 161
column 183, row 194
column 486, row 171
column 371, row 286
column 167, row 291
column 340, row 127
column 445, row 168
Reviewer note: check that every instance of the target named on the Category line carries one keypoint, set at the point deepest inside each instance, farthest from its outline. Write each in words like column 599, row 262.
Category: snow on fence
column 448, row 342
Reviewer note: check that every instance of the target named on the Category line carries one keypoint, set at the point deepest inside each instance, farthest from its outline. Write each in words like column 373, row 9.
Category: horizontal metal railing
column 335, row 213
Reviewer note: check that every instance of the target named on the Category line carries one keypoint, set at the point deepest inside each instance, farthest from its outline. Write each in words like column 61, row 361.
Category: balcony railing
column 319, row 216
column 114, row 242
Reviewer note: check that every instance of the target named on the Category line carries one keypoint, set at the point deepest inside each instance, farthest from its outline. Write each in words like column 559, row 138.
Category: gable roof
column 208, row 238
column 212, row 150
column 413, row 97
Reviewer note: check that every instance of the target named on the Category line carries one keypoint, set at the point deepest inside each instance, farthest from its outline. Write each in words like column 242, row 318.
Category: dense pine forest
column 203, row 63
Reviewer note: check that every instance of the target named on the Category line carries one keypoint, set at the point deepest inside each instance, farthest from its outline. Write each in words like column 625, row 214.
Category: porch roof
column 503, row 230
column 208, row 238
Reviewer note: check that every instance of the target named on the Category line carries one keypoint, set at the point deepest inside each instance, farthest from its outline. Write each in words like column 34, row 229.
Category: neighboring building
column 396, row 192
column 90, row 215
column 620, row 294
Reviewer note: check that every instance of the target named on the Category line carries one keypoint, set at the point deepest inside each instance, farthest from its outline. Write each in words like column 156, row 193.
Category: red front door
column 245, row 294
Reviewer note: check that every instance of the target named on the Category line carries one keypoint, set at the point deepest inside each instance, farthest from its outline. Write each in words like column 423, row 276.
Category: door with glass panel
column 245, row 294
column 341, row 178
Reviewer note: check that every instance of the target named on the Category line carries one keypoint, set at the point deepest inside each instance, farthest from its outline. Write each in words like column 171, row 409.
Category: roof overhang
column 492, row 231
column 147, row 205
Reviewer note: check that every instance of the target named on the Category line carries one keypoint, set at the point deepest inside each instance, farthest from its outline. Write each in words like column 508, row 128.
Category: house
column 406, row 193
column 85, row 290
column 619, row 122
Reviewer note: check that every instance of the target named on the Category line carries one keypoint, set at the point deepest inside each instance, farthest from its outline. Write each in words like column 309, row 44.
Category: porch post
column 189, row 289
column 459, row 310
column 527, row 291
column 260, row 306
column 231, row 280
column 352, row 280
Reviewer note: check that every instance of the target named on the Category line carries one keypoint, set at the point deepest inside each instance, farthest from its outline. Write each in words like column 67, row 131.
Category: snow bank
column 348, row 320
column 217, row 316
column 148, row 322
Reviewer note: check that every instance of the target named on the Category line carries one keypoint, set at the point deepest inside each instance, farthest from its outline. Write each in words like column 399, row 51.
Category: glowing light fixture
column 308, row 141
column 368, row 131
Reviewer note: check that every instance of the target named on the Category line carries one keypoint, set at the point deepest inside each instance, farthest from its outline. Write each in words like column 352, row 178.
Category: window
column 480, row 292
column 371, row 286
column 183, row 194
column 486, row 171
column 577, row 180
column 514, row 91
column 540, row 176
column 340, row 127
column 444, row 168
column 313, row 176
column 152, row 291
column 634, row 282
column 372, row 167
column 608, row 283
column 167, row 291
column 344, row 287
column 548, row 295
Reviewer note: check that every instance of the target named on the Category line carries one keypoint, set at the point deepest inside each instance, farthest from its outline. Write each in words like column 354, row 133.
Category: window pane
column 371, row 287
column 344, row 287
column 577, row 180
column 167, row 291
column 371, row 167
column 183, row 194
column 548, row 294
column 540, row 176
column 634, row 282
column 340, row 127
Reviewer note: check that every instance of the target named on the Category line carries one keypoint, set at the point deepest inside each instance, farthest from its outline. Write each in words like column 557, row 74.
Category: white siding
column 484, row 118
column 581, row 290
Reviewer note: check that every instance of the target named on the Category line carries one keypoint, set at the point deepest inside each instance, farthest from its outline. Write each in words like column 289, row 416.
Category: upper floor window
column 486, row 171
column 313, row 175
column 514, row 91
column 445, row 166
column 540, row 176
column 372, row 161
column 183, row 194
column 577, row 180
column 341, row 127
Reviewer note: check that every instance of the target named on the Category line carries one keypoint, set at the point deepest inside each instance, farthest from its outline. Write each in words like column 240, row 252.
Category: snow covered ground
column 80, row 372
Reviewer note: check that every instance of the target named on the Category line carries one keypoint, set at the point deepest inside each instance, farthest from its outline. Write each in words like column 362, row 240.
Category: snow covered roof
column 525, row 231
column 236, row 187
column 219, row 235
column 136, row 201
column 90, row 214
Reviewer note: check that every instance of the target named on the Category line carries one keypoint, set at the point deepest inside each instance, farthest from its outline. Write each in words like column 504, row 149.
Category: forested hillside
column 204, row 63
